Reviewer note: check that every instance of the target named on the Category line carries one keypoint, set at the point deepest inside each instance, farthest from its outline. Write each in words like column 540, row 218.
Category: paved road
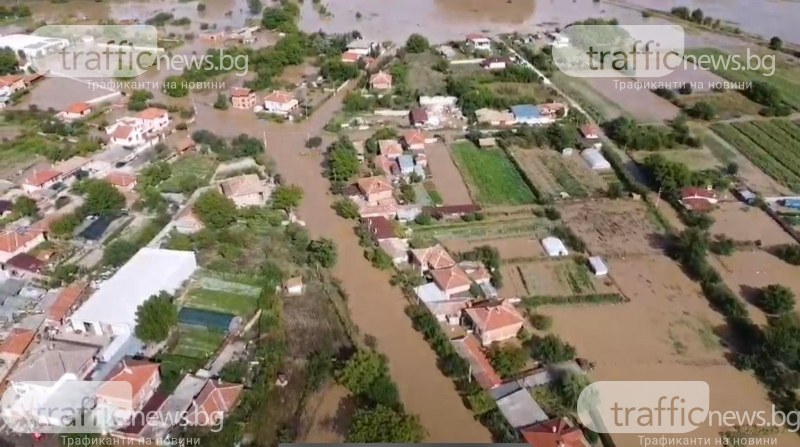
column 375, row 307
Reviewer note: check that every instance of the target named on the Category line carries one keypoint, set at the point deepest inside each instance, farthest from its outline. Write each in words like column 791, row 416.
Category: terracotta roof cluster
column 11, row 241
column 554, row 433
column 17, row 341
column 279, row 97
column 374, row 185
column 490, row 318
column 436, row 257
column 451, row 277
column 242, row 185
column 152, row 113
column 137, row 373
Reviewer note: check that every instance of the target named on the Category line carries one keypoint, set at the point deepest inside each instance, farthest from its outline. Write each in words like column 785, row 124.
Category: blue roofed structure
column 406, row 163
column 529, row 114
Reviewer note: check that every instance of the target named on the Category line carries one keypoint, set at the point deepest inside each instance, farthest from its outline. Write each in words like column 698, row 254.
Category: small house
column 567, row 151
column 350, row 57
column 495, row 63
column 414, row 140
column 280, row 103
column 529, row 114
column 76, row 111
column 293, row 286
column 380, row 81
column 418, row 117
column 243, row 98
column 390, row 149
column 590, row 131
column 479, row 42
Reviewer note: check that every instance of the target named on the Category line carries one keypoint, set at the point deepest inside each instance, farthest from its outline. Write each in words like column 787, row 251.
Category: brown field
column 667, row 332
column 694, row 159
column 328, row 415
column 745, row 272
column 613, row 227
column 745, row 223
column 510, row 248
column 644, row 105
column 552, row 278
column 446, row 175
column 728, row 104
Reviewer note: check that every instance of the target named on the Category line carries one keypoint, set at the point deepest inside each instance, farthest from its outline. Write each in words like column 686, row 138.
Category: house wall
column 500, row 334
column 156, row 124
column 244, row 102
column 277, row 107
column 456, row 290
column 381, row 86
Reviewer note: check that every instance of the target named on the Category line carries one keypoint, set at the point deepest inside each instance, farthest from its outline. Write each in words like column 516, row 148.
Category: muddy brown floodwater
column 375, row 306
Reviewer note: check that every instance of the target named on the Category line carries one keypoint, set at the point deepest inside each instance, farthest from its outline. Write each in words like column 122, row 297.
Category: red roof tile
column 450, row 278
column 216, row 396
column 152, row 113
column 24, row 261
column 39, row 178
column 11, row 241
column 78, row 108
column 66, row 299
column 486, row 376
column 135, row 372
column 279, row 97
column 17, row 341
column 491, row 318
column 553, row 433
column 380, row 227
column 121, row 179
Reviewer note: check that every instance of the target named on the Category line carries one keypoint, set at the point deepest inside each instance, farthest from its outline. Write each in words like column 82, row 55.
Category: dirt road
column 376, row 307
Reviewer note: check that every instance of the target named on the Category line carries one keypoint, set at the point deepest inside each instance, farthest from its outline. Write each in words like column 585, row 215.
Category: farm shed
column 554, row 247
column 598, row 266
column 520, row 410
column 595, row 159
column 112, row 308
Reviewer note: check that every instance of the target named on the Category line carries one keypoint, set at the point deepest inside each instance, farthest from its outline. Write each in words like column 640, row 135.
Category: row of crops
column 773, row 146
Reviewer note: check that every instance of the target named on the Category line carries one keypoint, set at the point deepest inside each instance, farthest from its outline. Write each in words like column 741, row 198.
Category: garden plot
column 313, row 319
column 562, row 278
column 197, row 342
column 614, row 227
column 189, row 173
column 222, row 301
column 491, row 176
column 517, row 247
column 747, row 224
column 666, row 332
column 553, row 174
column 746, row 272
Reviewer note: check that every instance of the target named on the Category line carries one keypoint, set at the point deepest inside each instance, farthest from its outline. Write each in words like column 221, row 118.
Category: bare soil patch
column 554, row 174
column 562, row 278
column 614, row 227
column 745, row 223
column 509, row 248
column 666, row 332
column 746, row 272
column 329, row 413
column 446, row 175
column 694, row 159
column 643, row 104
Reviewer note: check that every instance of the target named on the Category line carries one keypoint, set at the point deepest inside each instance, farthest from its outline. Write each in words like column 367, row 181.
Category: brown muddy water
column 437, row 19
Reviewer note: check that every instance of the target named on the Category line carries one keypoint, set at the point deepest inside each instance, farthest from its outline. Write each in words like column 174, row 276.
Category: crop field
column 785, row 80
column 773, row 146
column 554, row 278
column 523, row 92
column 614, row 227
column 222, row 301
column 666, row 332
column 475, row 232
column 197, row 342
column 728, row 104
column 517, row 247
column 553, row 174
column 491, row 175
column 190, row 170
column 694, row 159
column 747, row 224
column 313, row 316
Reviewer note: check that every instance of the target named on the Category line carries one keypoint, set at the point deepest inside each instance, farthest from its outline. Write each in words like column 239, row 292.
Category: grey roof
column 10, row 287
column 520, row 410
column 405, row 161
column 182, row 397
column 362, row 44
column 52, row 360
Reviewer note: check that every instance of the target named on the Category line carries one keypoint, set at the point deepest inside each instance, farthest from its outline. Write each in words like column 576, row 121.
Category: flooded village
column 401, row 223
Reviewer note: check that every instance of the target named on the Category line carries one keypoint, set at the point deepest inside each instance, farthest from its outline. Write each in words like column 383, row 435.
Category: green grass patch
column 493, row 175
column 436, row 198
column 604, row 298
column 786, row 80
column 189, row 173
column 728, row 104
column 199, row 343
column 221, row 301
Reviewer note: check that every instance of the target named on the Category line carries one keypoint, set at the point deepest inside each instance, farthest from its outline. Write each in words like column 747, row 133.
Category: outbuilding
column 554, row 247
column 594, row 158
column 598, row 266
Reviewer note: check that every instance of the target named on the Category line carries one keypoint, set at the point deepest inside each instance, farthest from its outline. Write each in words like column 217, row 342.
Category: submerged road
column 375, row 306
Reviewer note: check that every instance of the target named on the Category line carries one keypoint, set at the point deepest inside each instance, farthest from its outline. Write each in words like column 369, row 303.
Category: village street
column 375, row 306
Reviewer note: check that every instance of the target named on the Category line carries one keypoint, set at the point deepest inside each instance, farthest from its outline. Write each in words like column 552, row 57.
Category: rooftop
column 241, row 92
column 525, row 111
column 414, row 137
column 78, row 108
column 152, row 113
column 40, row 177
column 555, row 432
column 436, row 257
column 450, row 277
column 121, row 179
column 374, row 185
column 24, row 261
column 50, row 361
column 66, row 299
column 242, row 185
column 279, row 97
column 470, row 349
column 17, row 341
column 490, row 318
column 137, row 373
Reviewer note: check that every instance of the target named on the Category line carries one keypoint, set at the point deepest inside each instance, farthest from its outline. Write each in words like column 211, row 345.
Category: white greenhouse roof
column 554, row 247
column 148, row 272
column 598, row 265
column 595, row 159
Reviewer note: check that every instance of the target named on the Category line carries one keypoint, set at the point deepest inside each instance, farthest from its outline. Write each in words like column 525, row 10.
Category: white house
column 33, row 46
column 127, row 132
column 294, row 286
column 554, row 247
column 364, row 47
column 279, row 102
column 153, row 119
column 112, row 308
column 479, row 42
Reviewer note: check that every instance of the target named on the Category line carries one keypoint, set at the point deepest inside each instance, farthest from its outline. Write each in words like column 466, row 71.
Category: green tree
column 777, row 299
column 8, row 61
column 782, row 341
column 407, row 193
column 361, row 371
column 417, row 43
column 702, row 110
column 155, row 318
column 101, row 198
column 343, row 162
column 551, row 349
column 154, row 174
column 383, row 424
column 139, row 100
column 323, row 252
column 541, row 322
column 222, row 102
column 176, row 86
column 775, row 43
column 215, row 210
column 65, row 225
column 287, row 197
column 507, row 360
column 380, row 259
column 313, row 142
column 254, row 6
column 346, row 208
column 118, row 252
column 201, row 7
column 25, row 206
column 789, row 253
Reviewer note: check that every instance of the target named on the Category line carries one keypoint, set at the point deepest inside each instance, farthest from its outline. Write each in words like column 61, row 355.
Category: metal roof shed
column 598, row 266
column 554, row 247
column 595, row 159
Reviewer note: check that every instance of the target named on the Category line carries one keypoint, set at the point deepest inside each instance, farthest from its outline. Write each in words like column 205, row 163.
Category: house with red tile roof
column 280, row 103
column 141, row 379
column 431, row 258
column 496, row 63
column 76, row 111
column 479, row 41
column 246, row 190
column 23, row 264
column 40, row 179
column 495, row 322
column 390, row 149
column 14, row 242
column 414, row 140
column 243, row 98
column 153, row 119
column 215, row 400
column 350, row 57
column 380, row 81
column 558, row 432
column 451, row 280
column 66, row 302
column 122, row 180
column 127, row 132
column 470, row 349
column 15, row 344
column 375, row 189
column 187, row 222
column 10, row 84
column 698, row 199
column 590, row 131
column 380, row 228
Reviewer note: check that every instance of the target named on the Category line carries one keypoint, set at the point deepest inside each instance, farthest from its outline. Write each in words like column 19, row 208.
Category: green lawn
column 221, row 301
column 197, row 342
column 492, row 174
column 786, row 80
column 189, row 173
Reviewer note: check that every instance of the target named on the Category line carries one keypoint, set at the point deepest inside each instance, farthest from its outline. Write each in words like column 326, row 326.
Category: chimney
column 555, row 430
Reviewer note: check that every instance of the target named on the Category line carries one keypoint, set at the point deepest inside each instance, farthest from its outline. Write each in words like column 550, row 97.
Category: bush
column 789, row 253
column 776, row 299
column 602, row 298
column 552, row 213
column 702, row 110
column 346, row 208
column 541, row 322
column 417, row 44
column 507, row 360
column 551, row 349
